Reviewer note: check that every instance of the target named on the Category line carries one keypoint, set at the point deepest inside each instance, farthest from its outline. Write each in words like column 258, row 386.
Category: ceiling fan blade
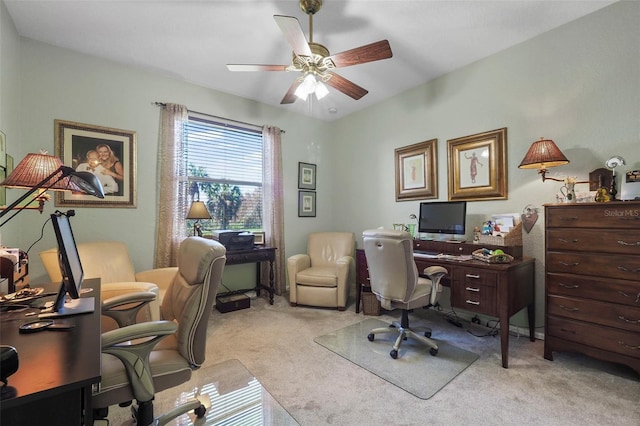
column 256, row 67
column 290, row 96
column 292, row 31
column 360, row 55
column 345, row 86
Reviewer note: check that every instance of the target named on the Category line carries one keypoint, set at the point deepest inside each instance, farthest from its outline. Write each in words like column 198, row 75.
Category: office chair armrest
column 432, row 271
column 137, row 331
column 435, row 274
column 124, row 308
column 132, row 345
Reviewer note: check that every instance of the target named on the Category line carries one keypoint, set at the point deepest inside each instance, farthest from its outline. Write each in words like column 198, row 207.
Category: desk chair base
column 404, row 332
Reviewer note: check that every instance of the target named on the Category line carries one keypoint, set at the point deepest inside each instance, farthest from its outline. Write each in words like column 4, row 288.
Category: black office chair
column 142, row 359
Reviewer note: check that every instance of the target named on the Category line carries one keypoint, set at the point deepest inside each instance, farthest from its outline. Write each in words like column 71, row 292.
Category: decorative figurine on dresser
column 592, row 288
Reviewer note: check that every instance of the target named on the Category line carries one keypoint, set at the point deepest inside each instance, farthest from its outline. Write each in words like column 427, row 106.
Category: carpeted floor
column 415, row 370
column 317, row 387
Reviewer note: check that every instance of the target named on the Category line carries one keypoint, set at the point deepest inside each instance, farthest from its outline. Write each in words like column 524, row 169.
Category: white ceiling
column 194, row 40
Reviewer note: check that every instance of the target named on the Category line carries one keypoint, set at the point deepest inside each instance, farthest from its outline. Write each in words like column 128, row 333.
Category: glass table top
column 229, row 391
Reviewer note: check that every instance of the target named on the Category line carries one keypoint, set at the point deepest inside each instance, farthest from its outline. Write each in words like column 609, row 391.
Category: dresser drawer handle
column 569, row 264
column 472, row 276
column 472, row 289
column 625, row 269
column 569, row 309
column 564, row 330
column 622, row 293
column 624, row 243
column 562, row 240
column 629, row 347
column 568, row 286
column 628, row 320
column 473, row 302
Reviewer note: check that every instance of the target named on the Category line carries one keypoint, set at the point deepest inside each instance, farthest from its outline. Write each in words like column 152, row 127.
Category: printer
column 235, row 240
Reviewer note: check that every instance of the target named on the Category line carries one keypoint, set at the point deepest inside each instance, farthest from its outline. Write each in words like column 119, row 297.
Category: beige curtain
column 171, row 185
column 273, row 214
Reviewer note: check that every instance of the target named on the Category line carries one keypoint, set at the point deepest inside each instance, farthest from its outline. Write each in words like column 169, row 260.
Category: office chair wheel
column 370, row 336
column 427, row 334
column 200, row 411
column 433, row 351
column 393, row 354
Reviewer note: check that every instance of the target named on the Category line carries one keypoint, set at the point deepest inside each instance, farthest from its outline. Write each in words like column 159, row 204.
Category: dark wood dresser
column 592, row 286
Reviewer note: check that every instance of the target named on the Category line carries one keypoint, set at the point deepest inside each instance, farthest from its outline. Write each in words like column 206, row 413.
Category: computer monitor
column 69, row 259
column 443, row 217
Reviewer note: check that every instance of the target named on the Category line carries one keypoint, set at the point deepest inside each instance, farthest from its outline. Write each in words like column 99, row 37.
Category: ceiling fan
column 314, row 61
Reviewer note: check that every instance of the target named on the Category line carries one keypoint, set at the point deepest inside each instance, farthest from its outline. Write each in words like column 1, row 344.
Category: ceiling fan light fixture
column 307, row 87
column 321, row 90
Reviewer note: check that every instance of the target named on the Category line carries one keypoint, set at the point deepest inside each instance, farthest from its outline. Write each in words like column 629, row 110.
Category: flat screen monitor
column 70, row 265
column 443, row 217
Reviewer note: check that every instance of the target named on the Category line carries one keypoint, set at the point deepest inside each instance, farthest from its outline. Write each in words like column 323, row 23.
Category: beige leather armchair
column 322, row 277
column 110, row 261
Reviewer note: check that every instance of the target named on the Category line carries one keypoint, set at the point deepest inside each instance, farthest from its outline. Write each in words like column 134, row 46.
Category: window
column 224, row 168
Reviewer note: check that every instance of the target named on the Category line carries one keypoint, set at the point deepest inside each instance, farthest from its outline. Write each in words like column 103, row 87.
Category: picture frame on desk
column 416, row 171
column 478, row 166
column 258, row 238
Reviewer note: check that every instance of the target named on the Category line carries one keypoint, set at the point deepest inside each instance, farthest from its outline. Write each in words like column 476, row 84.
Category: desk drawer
column 597, row 336
column 475, row 290
column 611, row 314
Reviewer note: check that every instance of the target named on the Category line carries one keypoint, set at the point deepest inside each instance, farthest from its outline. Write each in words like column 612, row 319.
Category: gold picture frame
column 478, row 166
column 416, row 171
column 73, row 142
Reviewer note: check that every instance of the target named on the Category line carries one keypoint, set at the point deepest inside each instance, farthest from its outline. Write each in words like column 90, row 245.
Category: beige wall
column 577, row 84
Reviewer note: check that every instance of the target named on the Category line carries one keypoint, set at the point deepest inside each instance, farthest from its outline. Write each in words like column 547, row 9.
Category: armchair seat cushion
column 318, row 276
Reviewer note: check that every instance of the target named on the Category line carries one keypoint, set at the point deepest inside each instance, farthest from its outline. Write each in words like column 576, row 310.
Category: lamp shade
column 542, row 154
column 198, row 211
column 34, row 168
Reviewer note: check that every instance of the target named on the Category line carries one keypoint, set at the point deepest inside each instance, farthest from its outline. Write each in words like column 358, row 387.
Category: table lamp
column 46, row 172
column 198, row 211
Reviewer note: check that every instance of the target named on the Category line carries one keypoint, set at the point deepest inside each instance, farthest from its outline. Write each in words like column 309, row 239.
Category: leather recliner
column 322, row 276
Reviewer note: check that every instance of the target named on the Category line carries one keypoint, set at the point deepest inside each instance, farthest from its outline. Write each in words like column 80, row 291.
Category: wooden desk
column 56, row 368
column 498, row 290
column 256, row 255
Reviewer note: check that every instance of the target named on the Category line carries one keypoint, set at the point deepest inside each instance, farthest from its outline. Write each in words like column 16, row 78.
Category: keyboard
column 426, row 254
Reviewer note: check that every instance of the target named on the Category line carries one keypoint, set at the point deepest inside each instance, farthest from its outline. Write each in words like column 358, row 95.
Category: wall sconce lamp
column 198, row 211
column 45, row 172
column 542, row 154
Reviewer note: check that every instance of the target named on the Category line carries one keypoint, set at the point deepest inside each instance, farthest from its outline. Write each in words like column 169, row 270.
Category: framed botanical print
column 306, row 176
column 306, row 204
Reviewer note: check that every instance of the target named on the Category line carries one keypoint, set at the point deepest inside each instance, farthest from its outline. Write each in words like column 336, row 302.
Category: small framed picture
column 306, row 204
column 258, row 238
column 306, row 176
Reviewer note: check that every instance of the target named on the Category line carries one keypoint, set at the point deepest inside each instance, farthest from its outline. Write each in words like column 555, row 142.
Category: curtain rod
column 163, row 104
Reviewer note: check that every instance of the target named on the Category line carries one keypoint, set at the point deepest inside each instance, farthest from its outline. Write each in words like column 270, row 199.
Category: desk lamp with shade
column 43, row 172
column 198, row 211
